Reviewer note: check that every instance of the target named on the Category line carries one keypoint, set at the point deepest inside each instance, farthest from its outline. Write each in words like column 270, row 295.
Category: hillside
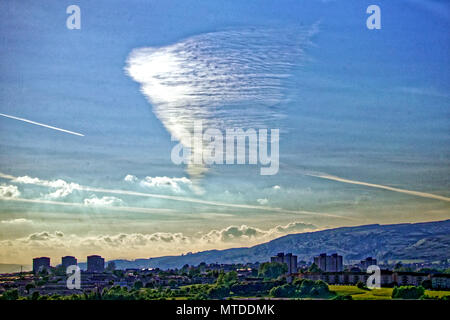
column 428, row 241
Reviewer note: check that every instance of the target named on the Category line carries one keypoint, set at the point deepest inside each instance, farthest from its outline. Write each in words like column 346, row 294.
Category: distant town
column 282, row 276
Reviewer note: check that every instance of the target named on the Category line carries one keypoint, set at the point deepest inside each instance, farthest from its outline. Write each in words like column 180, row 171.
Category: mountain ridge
column 426, row 241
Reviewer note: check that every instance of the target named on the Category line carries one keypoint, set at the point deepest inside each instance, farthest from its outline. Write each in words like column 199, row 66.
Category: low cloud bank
column 133, row 245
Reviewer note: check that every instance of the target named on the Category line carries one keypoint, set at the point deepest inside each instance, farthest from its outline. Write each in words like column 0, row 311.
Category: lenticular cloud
column 233, row 78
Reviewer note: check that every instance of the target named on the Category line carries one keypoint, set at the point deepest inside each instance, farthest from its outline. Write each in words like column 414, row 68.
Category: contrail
column 108, row 208
column 206, row 202
column 41, row 124
column 187, row 199
column 372, row 185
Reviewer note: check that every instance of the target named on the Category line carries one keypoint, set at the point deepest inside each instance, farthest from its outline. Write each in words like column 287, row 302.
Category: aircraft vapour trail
column 109, row 208
column 372, row 185
column 41, row 124
column 206, row 202
column 183, row 199
column 226, row 79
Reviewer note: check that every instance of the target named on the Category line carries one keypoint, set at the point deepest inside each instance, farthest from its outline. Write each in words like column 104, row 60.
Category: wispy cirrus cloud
column 232, row 78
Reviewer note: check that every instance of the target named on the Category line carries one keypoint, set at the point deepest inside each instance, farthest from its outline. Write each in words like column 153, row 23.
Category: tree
column 272, row 270
column 218, row 292
column 408, row 292
column 320, row 289
column 35, row 295
column 12, row 294
column 297, row 282
column 172, row 283
column 427, row 284
column 314, row 268
column 313, row 288
column 138, row 285
column 29, row 286
column 284, row 291
column 118, row 273
column 361, row 285
column 227, row 279
column 40, row 283
column 193, row 272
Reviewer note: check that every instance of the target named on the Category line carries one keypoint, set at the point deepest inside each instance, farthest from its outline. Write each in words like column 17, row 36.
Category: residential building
column 409, row 278
column 440, row 281
column 321, row 261
column 387, row 278
column 95, row 263
column 68, row 261
column 40, row 264
column 369, row 261
column 289, row 259
column 332, row 263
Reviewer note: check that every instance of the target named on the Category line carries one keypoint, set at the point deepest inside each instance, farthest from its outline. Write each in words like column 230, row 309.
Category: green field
column 377, row 294
column 438, row 294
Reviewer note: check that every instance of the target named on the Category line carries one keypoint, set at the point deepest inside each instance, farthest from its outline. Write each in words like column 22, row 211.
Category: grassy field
column 377, row 294
column 360, row 294
column 439, row 294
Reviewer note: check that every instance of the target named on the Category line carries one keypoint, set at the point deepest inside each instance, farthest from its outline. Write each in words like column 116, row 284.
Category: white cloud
column 103, row 201
column 293, row 227
column 233, row 234
column 174, row 184
column 245, row 233
column 201, row 77
column 18, row 221
column 262, row 201
column 44, row 236
column 170, row 183
column 276, row 187
column 130, row 178
column 132, row 245
column 9, row 191
column 62, row 187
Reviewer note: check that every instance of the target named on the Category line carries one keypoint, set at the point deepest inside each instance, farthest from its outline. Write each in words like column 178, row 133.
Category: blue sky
column 363, row 105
